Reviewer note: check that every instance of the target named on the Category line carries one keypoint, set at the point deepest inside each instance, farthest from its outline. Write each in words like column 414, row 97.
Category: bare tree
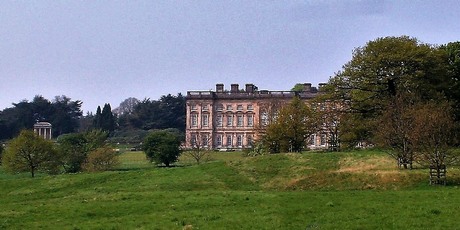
column 394, row 130
column 433, row 135
column 200, row 146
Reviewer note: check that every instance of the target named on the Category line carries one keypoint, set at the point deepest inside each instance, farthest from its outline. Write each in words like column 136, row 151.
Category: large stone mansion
column 233, row 119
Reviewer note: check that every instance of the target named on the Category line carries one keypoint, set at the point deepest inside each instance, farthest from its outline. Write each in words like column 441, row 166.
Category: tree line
column 66, row 116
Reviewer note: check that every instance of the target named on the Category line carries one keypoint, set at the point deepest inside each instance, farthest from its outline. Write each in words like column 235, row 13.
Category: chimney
column 234, row 88
column 249, row 88
column 307, row 87
column 321, row 86
column 219, row 88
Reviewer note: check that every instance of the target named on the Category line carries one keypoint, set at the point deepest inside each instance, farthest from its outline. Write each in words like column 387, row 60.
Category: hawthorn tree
column 29, row 152
column 162, row 147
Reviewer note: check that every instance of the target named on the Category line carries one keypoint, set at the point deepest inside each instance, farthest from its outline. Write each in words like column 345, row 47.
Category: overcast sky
column 106, row 51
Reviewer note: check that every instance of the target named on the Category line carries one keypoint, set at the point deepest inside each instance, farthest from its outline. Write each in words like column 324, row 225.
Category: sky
column 107, row 51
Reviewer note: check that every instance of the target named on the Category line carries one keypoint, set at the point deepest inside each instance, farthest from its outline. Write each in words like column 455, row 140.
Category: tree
column 200, row 146
column 1, row 153
column 162, row 147
column 434, row 135
column 168, row 112
column 127, row 106
column 101, row 159
column 75, row 147
column 105, row 120
column 395, row 129
column 294, row 124
column 452, row 51
column 97, row 122
column 299, row 87
column 29, row 152
column 382, row 69
column 65, row 115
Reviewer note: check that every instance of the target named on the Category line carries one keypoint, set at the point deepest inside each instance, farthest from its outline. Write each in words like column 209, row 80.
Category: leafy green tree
column 382, row 69
column 65, row 115
column 298, row 87
column 452, row 91
column 294, row 124
column 162, row 147
column 29, row 152
column 75, row 147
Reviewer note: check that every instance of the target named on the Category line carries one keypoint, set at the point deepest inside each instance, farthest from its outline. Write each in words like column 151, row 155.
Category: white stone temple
column 43, row 129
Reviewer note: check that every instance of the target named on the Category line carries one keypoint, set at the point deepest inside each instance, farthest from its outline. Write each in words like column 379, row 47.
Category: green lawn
column 357, row 190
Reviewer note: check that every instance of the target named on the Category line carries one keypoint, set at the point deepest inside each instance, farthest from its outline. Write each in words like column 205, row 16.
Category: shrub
column 101, row 159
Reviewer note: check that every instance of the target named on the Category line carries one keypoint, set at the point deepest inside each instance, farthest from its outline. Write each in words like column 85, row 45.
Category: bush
column 101, row 159
column 162, row 147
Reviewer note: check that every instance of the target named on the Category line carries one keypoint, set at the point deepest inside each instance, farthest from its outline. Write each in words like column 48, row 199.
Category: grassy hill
column 356, row 190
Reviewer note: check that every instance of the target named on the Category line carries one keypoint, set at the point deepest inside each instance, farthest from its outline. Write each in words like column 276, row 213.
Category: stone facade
column 234, row 119
column 43, row 129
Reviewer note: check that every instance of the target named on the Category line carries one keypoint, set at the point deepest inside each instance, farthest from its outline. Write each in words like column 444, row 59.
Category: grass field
column 356, row 190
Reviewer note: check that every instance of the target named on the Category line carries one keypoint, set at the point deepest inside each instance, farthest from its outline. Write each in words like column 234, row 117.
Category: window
column 250, row 107
column 239, row 121
column 193, row 140
column 220, row 107
column 204, row 140
column 219, row 119
column 323, row 139
column 250, row 120
column 229, row 140
column 239, row 107
column 229, row 120
column 205, row 120
column 194, row 120
column 219, row 140
column 250, row 141
column 312, row 139
column 229, row 107
column 264, row 118
column 239, row 140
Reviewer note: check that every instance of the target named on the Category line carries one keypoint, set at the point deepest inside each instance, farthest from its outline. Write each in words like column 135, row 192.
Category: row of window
column 229, row 120
column 222, row 140
column 220, row 107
